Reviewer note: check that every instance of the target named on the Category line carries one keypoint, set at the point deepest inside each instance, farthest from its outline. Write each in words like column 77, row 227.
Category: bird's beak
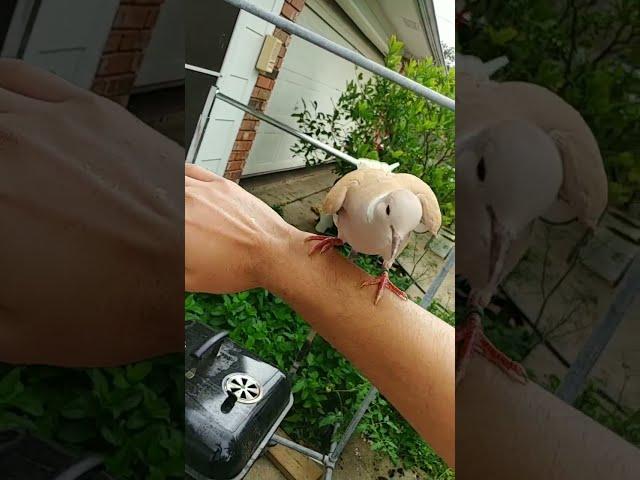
column 397, row 241
column 500, row 242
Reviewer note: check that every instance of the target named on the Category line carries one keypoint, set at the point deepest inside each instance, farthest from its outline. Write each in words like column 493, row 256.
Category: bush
column 584, row 51
column 134, row 415
column 380, row 120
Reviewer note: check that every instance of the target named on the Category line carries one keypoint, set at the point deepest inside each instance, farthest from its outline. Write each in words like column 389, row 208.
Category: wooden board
column 293, row 465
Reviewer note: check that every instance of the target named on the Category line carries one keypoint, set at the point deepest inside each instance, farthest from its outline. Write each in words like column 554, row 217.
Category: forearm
column 394, row 344
column 506, row 430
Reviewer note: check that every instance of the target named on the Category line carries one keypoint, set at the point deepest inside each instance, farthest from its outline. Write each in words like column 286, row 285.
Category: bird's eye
column 388, row 209
column 481, row 169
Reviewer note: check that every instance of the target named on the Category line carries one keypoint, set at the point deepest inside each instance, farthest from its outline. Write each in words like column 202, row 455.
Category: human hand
column 232, row 239
column 91, row 216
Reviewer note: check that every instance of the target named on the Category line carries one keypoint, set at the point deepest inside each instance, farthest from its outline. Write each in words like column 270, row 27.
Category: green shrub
column 586, row 52
column 134, row 415
column 380, row 120
column 328, row 389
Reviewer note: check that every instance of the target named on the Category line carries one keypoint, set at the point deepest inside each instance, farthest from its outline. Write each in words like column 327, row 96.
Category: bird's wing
column 582, row 188
column 431, row 216
column 335, row 198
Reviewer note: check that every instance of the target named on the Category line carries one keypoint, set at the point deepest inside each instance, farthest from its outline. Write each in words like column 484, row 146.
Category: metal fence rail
column 286, row 128
column 344, row 52
column 626, row 292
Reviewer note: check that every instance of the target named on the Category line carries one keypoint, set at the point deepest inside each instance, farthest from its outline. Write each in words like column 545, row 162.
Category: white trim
column 17, row 28
column 237, row 51
column 374, row 26
column 196, row 140
column 206, row 71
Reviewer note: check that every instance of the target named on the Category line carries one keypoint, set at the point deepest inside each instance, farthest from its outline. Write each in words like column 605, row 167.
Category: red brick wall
column 259, row 97
column 124, row 49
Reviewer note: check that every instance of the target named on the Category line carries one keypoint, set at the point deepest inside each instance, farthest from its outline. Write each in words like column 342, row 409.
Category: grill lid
column 233, row 404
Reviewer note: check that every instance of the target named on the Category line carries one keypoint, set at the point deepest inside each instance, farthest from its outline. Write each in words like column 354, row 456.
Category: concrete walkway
column 580, row 302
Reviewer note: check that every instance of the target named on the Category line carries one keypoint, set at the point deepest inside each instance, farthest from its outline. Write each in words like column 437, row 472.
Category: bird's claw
column 383, row 283
column 324, row 243
column 474, row 340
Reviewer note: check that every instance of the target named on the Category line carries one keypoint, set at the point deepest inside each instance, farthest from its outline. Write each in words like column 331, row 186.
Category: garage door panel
column 267, row 151
column 308, row 73
column 213, row 148
column 238, row 78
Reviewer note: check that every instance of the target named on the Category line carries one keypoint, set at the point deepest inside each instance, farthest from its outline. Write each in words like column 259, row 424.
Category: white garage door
column 238, row 78
column 307, row 72
column 67, row 37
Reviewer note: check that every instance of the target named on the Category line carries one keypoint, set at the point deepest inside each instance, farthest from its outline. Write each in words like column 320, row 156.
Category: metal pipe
column 299, row 448
column 201, row 126
column 206, row 71
column 346, row 436
column 286, row 128
column 328, row 473
column 626, row 293
column 437, row 281
column 344, row 52
column 78, row 469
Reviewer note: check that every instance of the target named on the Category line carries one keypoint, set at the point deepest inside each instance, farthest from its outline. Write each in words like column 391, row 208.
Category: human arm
column 91, row 218
column 235, row 242
column 508, row 430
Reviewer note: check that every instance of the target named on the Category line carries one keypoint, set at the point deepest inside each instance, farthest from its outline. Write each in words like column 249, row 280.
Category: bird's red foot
column 472, row 339
column 324, row 243
column 383, row 282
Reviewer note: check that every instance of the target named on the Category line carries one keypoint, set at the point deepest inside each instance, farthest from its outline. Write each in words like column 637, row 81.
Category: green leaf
column 28, row 402
column 10, row 386
column 100, row 384
column 138, row 371
column 77, row 431
column 80, row 407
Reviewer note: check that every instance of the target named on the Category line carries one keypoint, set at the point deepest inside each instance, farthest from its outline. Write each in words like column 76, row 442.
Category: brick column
column 259, row 97
column 124, row 49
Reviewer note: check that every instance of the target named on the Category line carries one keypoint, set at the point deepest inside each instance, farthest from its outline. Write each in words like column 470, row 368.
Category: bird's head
column 512, row 168
column 396, row 214
column 507, row 175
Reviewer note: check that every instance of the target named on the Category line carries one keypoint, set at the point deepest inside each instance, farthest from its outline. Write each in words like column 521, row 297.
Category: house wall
column 125, row 47
column 310, row 73
column 259, row 97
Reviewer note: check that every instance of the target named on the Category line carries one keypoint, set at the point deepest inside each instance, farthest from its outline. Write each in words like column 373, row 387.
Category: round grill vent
column 245, row 388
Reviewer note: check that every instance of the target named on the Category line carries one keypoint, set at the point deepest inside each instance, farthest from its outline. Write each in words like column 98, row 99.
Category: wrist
column 278, row 257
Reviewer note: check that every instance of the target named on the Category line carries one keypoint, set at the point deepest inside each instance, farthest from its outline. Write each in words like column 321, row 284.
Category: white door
column 67, row 38
column 310, row 73
column 238, row 77
column 163, row 60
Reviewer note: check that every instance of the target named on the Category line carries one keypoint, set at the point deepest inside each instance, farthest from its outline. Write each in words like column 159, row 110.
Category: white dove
column 548, row 142
column 522, row 153
column 375, row 211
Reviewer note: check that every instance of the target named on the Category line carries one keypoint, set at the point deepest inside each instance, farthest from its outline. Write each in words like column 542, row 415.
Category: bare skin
column 395, row 344
column 508, row 430
column 91, row 222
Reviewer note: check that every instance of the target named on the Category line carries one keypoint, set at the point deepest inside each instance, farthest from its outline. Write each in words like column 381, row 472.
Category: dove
column 375, row 211
column 507, row 175
column 522, row 153
column 326, row 220
column 549, row 133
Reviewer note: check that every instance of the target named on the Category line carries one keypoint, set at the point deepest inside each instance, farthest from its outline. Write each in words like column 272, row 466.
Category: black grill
column 234, row 402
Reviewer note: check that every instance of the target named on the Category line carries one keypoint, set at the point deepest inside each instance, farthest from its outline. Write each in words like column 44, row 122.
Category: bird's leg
column 470, row 339
column 324, row 243
column 352, row 254
column 383, row 282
